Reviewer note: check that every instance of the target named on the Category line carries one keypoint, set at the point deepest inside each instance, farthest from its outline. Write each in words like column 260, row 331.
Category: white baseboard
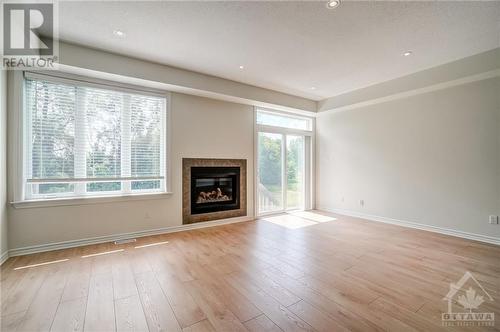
column 116, row 237
column 4, row 257
column 410, row 224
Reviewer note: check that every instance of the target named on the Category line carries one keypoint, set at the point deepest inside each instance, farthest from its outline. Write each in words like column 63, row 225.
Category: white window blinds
column 87, row 140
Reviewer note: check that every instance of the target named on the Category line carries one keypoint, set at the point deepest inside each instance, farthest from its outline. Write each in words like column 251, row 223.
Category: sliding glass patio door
column 295, row 168
column 281, row 172
column 284, row 161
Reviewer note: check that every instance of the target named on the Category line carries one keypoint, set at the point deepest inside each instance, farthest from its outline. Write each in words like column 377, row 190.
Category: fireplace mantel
column 239, row 210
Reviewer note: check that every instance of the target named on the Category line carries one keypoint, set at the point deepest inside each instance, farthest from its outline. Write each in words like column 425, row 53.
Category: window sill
column 42, row 203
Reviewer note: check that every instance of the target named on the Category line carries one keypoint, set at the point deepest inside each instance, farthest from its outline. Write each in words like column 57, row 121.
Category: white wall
column 432, row 158
column 3, row 163
column 200, row 128
column 80, row 59
column 463, row 69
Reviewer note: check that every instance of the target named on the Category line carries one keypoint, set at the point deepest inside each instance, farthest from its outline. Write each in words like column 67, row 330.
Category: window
column 282, row 120
column 89, row 140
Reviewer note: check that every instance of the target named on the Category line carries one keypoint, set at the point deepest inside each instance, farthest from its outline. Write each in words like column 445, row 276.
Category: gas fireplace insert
column 214, row 189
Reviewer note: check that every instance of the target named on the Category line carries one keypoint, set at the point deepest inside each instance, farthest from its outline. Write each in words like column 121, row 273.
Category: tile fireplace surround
column 187, row 164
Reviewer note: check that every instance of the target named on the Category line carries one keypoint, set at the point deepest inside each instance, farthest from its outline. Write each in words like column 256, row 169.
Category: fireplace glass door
column 214, row 189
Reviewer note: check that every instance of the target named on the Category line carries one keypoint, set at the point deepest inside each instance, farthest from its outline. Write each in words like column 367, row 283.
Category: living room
column 250, row 165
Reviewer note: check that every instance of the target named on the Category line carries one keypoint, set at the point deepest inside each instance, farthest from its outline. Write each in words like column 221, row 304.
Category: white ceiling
column 289, row 46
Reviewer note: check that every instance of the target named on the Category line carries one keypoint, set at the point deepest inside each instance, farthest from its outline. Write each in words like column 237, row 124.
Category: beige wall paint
column 433, row 158
column 200, row 127
column 3, row 162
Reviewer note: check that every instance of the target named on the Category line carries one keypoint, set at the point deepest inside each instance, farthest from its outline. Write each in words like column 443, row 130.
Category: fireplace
column 213, row 189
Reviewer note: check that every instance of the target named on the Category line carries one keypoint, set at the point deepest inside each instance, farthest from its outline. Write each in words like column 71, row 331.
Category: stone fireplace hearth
column 213, row 189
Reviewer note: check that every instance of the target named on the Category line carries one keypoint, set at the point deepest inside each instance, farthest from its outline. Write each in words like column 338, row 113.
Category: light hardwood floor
column 305, row 272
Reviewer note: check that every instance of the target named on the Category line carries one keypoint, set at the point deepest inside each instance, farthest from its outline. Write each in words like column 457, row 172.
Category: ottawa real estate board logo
column 29, row 35
column 465, row 299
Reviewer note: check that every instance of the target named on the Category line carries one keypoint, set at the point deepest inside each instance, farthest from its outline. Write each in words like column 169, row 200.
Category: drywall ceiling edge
column 453, row 71
column 80, row 60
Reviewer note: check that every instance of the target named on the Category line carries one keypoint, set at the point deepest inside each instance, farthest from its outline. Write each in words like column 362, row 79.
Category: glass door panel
column 295, row 172
column 270, row 170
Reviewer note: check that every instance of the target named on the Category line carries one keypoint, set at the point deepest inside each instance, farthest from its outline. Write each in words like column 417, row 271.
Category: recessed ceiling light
column 241, row 67
column 407, row 53
column 119, row 33
column 332, row 4
column 313, row 88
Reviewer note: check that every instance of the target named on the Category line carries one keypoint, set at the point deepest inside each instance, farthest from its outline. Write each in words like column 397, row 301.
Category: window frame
column 310, row 120
column 19, row 198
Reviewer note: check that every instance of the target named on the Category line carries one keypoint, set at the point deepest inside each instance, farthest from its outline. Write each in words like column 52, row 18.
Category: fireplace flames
column 212, row 196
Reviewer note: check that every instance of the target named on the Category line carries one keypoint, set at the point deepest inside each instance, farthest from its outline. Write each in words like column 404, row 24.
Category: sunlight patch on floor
column 103, row 253
column 298, row 219
column 289, row 221
column 151, row 245
column 41, row 264
column 313, row 216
